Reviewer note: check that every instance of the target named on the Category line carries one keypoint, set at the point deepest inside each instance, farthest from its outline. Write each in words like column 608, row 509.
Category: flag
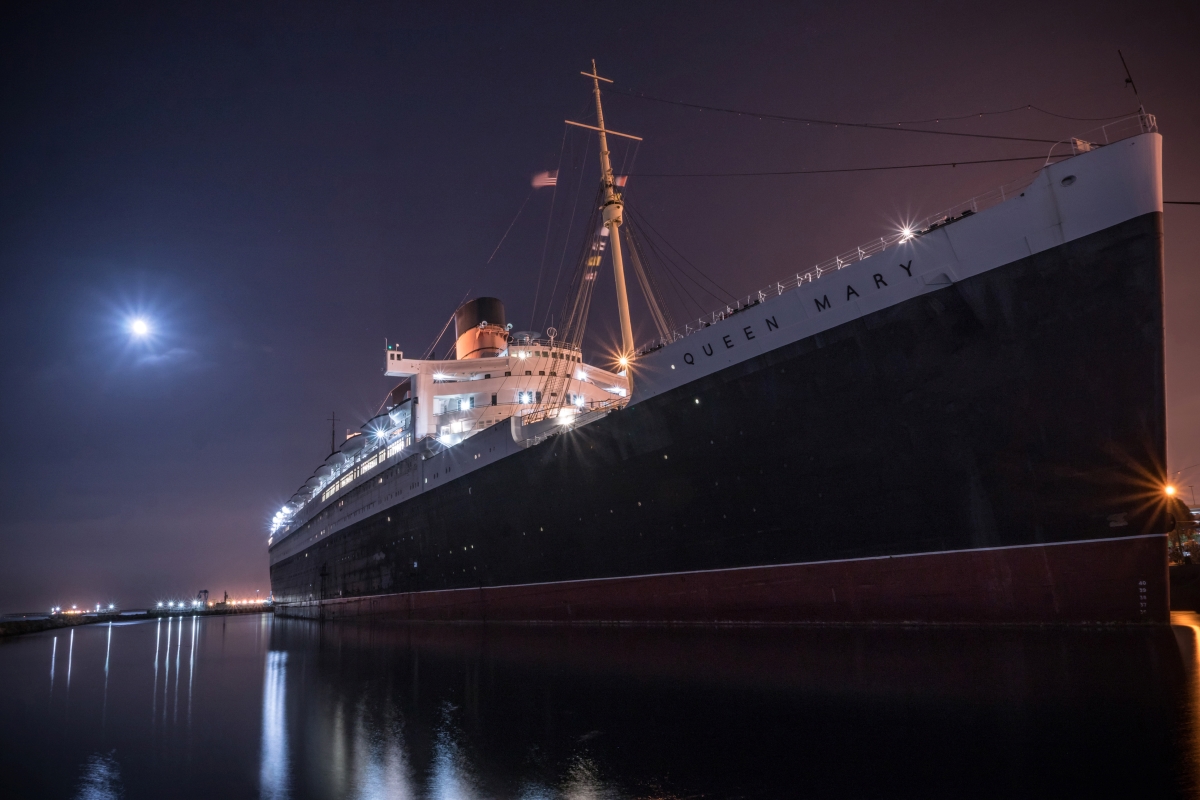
column 545, row 179
column 621, row 180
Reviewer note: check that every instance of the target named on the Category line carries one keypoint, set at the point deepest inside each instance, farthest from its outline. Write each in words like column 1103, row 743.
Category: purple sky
column 281, row 189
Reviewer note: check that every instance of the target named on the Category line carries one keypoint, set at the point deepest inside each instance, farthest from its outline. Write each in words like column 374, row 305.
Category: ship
column 961, row 422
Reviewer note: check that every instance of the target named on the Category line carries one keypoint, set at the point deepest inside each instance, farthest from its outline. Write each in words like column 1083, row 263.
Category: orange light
column 1170, row 490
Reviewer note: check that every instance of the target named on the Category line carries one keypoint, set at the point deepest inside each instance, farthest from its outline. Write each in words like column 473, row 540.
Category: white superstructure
column 455, row 399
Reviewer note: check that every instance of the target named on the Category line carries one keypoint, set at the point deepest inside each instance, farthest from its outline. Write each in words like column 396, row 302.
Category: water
column 257, row 707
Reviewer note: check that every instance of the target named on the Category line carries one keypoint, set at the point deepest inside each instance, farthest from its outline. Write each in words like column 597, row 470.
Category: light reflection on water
column 274, row 775
column 293, row 709
column 101, row 778
column 1186, row 626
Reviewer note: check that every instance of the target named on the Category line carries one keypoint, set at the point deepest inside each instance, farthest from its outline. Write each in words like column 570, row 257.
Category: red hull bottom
column 1099, row 581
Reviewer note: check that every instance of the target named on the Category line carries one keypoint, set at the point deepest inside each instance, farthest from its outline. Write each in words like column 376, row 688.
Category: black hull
column 1020, row 407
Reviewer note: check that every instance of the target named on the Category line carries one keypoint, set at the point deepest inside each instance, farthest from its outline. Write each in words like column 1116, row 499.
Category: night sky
column 280, row 189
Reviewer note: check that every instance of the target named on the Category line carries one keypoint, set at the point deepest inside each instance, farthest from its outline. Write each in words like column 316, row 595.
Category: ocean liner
column 963, row 422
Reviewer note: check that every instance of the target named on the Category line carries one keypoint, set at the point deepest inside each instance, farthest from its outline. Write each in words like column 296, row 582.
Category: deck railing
column 1098, row 137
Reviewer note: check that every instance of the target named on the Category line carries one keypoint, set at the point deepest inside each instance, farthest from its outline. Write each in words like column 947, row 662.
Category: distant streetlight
column 1179, row 473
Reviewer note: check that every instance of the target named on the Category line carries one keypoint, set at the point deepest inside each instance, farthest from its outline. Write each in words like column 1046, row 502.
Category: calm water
column 254, row 706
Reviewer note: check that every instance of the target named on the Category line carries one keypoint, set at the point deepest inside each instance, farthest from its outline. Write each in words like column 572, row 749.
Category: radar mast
column 612, row 211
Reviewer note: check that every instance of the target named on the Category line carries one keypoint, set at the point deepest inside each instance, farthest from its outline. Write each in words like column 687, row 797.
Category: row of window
column 366, row 466
column 547, row 354
column 468, row 403
column 520, row 354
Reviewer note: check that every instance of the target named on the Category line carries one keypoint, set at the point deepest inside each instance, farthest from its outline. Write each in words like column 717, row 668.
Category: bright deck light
column 1170, row 491
column 139, row 327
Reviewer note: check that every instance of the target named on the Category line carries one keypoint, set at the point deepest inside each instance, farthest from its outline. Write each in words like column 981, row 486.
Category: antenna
column 1129, row 79
column 332, row 432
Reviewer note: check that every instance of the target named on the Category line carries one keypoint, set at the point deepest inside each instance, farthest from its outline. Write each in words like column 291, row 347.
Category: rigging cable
column 681, row 291
column 642, row 219
column 655, row 301
column 429, row 352
column 570, row 226
column 978, row 114
column 506, row 232
column 829, row 122
column 549, row 222
column 471, row 286
column 667, row 259
column 839, row 170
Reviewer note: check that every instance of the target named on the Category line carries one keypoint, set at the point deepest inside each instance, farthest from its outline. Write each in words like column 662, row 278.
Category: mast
column 612, row 210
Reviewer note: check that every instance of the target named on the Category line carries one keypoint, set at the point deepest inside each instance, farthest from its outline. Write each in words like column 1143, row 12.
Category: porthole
column 1067, row 181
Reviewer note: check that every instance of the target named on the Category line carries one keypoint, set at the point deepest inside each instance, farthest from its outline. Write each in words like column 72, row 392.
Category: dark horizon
column 279, row 191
